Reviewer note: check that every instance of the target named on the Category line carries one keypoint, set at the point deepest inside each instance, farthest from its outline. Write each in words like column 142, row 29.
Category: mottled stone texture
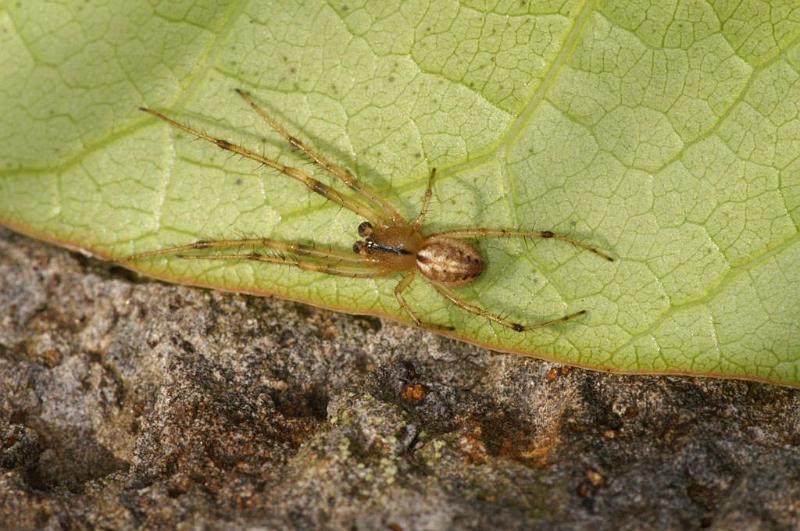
column 129, row 403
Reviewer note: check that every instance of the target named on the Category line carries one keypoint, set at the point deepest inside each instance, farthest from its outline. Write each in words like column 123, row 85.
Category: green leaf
column 667, row 134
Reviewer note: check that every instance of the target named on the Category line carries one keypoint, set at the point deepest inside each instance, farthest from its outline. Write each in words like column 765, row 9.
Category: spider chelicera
column 390, row 244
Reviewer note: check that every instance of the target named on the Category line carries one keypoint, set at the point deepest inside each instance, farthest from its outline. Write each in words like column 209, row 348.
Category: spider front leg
column 387, row 212
column 314, row 185
column 298, row 249
column 326, row 266
column 306, row 257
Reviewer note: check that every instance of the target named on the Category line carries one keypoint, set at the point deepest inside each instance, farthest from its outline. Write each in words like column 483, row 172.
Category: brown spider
column 391, row 243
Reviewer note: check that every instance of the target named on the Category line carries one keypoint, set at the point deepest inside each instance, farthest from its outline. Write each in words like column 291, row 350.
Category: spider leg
column 426, row 199
column 330, row 261
column 398, row 293
column 253, row 243
column 517, row 327
column 312, row 184
column 327, row 266
column 339, row 171
column 505, row 233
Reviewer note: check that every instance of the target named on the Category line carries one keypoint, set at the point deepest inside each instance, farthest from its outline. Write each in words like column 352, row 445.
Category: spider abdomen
column 449, row 261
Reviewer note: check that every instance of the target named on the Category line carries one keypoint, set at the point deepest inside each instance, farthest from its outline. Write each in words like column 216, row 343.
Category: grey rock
column 128, row 403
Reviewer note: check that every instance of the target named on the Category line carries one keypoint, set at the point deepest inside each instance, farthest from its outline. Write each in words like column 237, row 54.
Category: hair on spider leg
column 391, row 244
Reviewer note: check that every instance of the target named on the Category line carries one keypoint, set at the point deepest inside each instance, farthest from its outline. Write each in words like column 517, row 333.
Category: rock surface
column 129, row 403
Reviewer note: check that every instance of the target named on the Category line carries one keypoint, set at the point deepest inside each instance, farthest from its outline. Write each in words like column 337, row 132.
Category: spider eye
column 358, row 246
column 365, row 229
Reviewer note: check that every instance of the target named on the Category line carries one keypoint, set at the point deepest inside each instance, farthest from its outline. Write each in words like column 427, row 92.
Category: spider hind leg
column 451, row 296
column 480, row 232
column 481, row 312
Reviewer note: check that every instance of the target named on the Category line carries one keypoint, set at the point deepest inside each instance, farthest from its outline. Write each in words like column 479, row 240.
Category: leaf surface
column 665, row 132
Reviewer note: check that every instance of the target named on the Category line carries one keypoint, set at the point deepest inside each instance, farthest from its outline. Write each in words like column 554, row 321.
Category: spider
column 390, row 244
